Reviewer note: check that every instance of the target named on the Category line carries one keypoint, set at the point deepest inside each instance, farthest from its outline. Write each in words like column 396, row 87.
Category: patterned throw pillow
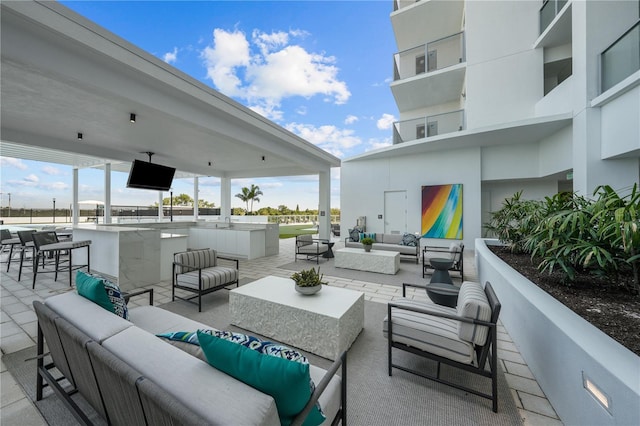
column 411, row 240
column 102, row 292
column 371, row 235
column 354, row 234
column 263, row 346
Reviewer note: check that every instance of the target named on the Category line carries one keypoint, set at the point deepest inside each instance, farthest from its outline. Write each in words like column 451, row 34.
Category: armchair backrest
column 5, row 234
column 304, row 240
column 473, row 304
column 44, row 238
column 25, row 237
column 203, row 258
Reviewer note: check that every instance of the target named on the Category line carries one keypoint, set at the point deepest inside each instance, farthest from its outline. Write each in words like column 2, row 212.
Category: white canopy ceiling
column 63, row 75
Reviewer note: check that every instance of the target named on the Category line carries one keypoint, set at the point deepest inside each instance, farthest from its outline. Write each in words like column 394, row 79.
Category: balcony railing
column 621, row 59
column 549, row 10
column 425, row 127
column 433, row 56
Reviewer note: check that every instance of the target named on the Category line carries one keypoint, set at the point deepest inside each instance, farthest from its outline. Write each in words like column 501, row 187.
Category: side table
column 329, row 253
column 443, row 294
column 441, row 270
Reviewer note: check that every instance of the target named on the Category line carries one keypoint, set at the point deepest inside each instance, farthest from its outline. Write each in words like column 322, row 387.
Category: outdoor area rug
column 374, row 398
column 409, row 272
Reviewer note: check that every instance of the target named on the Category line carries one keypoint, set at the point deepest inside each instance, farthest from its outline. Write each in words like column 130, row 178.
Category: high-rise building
column 502, row 96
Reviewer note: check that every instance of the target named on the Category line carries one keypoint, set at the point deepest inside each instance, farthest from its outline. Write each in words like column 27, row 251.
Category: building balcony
column 433, row 56
column 621, row 59
column 549, row 10
column 425, row 127
column 414, row 22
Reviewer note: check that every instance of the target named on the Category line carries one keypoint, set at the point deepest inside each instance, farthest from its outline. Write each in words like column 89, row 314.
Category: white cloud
column 32, row 178
column 301, row 110
column 12, row 162
column 386, row 121
column 330, row 138
column 378, row 143
column 55, row 186
column 350, row 119
column 171, row 57
column 269, row 68
column 50, row 170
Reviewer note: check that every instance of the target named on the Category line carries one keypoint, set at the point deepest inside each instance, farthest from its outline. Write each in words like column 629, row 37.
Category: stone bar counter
column 129, row 255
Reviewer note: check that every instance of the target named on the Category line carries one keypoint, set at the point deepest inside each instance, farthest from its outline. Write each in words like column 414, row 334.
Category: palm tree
column 250, row 194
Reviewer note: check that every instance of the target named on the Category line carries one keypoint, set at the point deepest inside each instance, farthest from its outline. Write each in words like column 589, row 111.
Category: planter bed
column 563, row 350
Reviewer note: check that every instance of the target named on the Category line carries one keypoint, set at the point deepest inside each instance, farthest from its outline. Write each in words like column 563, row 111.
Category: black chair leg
column 9, row 260
column 20, row 268
column 35, row 269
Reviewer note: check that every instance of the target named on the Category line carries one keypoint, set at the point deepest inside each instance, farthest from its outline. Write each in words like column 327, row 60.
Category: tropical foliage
column 249, row 195
column 308, row 278
column 186, row 201
column 575, row 234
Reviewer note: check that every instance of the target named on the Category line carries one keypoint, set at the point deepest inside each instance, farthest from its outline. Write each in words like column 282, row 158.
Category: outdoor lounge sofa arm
column 128, row 296
column 228, row 259
column 437, row 314
column 340, row 362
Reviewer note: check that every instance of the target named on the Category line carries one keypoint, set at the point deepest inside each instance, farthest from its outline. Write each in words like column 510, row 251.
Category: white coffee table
column 383, row 262
column 326, row 323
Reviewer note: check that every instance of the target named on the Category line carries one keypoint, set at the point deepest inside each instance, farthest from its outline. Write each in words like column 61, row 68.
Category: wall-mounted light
column 263, row 158
column 80, row 136
column 595, row 391
column 132, row 117
column 209, row 163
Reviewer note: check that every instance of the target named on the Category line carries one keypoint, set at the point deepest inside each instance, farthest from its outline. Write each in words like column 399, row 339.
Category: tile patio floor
column 18, row 330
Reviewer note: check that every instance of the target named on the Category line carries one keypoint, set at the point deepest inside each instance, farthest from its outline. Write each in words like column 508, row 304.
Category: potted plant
column 308, row 281
column 367, row 243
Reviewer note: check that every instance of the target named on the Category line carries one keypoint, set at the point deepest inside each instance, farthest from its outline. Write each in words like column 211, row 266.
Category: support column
column 225, row 198
column 76, row 209
column 107, row 193
column 160, row 214
column 324, row 204
column 196, row 198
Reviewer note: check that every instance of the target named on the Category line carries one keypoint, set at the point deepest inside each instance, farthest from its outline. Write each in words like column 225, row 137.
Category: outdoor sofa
column 406, row 245
column 131, row 376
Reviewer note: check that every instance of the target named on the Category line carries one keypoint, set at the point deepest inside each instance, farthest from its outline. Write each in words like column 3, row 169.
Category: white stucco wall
column 621, row 124
column 504, row 74
column 363, row 183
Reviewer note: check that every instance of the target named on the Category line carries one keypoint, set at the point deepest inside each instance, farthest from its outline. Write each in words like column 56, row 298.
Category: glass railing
column 399, row 4
column 425, row 127
column 621, row 59
column 549, row 10
column 433, row 56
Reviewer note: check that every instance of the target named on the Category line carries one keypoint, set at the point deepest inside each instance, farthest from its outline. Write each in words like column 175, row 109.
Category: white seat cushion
column 431, row 334
column 473, row 303
column 211, row 277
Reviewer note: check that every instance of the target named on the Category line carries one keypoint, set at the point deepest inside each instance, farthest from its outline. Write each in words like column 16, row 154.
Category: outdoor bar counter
column 129, row 255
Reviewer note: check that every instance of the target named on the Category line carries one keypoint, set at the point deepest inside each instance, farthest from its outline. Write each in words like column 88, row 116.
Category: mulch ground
column 608, row 305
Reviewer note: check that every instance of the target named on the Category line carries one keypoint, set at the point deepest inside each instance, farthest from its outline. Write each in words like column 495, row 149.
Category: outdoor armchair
column 455, row 252
column 310, row 247
column 463, row 337
column 202, row 272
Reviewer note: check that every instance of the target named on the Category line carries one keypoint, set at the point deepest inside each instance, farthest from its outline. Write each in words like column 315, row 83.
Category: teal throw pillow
column 96, row 288
column 92, row 288
column 286, row 381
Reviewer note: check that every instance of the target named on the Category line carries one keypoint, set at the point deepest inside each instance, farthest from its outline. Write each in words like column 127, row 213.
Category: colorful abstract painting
column 442, row 211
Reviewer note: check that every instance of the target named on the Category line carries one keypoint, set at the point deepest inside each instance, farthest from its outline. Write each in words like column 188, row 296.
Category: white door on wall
column 395, row 212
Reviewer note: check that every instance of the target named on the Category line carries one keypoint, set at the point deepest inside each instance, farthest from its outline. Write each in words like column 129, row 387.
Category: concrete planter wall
column 562, row 349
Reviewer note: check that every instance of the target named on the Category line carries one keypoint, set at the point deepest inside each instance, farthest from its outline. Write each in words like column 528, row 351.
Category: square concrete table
column 325, row 323
column 383, row 262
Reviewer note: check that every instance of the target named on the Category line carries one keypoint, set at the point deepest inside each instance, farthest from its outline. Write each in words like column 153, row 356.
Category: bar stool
column 26, row 244
column 7, row 240
column 46, row 242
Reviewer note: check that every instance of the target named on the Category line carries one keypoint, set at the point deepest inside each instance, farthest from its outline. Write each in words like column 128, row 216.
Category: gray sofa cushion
column 89, row 317
column 157, row 320
column 391, row 238
column 473, row 303
column 210, row 393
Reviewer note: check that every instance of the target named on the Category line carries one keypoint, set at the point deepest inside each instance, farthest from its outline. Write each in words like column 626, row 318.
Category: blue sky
column 318, row 68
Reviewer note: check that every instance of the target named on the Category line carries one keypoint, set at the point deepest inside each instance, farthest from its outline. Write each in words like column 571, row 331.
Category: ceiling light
column 132, row 117
column 80, row 136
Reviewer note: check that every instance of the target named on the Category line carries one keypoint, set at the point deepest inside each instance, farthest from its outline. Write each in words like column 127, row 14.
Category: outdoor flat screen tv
column 144, row 175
